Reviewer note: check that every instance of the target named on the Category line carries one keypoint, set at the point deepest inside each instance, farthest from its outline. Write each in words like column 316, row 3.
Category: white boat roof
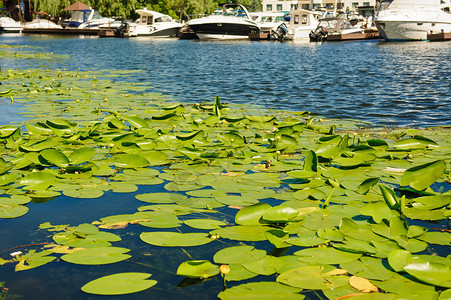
column 146, row 12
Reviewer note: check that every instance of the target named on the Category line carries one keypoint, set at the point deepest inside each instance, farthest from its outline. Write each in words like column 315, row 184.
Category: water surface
column 393, row 84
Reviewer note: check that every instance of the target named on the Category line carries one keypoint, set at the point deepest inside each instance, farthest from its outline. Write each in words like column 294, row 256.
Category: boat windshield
column 96, row 15
column 80, row 15
column 384, row 4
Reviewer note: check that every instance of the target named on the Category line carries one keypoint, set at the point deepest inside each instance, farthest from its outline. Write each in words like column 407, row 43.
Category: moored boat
column 41, row 21
column 8, row 24
column 152, row 23
column 406, row 20
column 232, row 22
column 302, row 22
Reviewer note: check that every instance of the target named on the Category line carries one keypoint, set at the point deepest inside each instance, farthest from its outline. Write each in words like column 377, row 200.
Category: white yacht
column 232, row 22
column 152, row 23
column 302, row 22
column 41, row 21
column 268, row 20
column 88, row 18
column 401, row 20
column 7, row 24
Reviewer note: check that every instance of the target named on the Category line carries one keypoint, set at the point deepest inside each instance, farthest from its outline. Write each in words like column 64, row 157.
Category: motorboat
column 88, row 18
column 268, row 20
column 41, row 22
column 332, row 26
column 232, row 22
column 152, row 23
column 302, row 22
column 7, row 24
column 407, row 20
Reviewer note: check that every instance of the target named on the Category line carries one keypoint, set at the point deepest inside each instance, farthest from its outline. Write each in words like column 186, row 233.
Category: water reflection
column 384, row 83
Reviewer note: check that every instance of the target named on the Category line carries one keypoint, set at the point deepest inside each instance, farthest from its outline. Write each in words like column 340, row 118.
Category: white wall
column 287, row 5
column 278, row 5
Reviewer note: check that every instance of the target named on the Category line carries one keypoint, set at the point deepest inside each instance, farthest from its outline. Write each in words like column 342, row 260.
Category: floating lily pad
column 197, row 269
column 262, row 290
column 204, row 223
column 97, row 256
column 119, row 284
column 10, row 211
column 312, row 277
column 238, row 255
column 175, row 239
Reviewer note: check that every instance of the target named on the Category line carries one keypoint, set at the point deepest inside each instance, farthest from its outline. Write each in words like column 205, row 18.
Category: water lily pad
column 251, row 215
column 200, row 269
column 10, row 211
column 266, row 265
column 55, row 157
column 131, row 161
column 326, row 255
column 243, row 233
column 204, row 223
column 119, row 284
column 175, row 239
column 311, row 277
column 238, row 255
column 261, row 290
column 81, row 155
column 97, row 256
column 421, row 177
column 161, row 197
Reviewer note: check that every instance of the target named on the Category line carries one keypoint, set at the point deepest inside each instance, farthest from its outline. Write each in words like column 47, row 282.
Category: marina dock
column 437, row 37
column 62, row 31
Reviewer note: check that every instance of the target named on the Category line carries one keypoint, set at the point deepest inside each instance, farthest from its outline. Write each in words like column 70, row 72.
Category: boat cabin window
column 96, row 15
column 146, row 20
column 304, row 19
column 296, row 19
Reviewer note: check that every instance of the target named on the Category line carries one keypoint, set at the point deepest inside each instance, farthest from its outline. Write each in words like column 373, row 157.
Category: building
column 362, row 7
column 280, row 5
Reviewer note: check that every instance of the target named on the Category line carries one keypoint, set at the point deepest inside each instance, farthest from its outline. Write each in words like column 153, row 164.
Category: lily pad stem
column 327, row 200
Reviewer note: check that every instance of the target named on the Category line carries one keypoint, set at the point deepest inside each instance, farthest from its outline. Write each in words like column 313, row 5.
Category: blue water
column 392, row 84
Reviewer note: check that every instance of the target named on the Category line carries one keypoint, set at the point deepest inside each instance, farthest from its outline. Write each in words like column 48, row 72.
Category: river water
column 392, row 84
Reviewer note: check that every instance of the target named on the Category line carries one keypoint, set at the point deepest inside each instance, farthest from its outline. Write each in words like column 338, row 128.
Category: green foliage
column 238, row 174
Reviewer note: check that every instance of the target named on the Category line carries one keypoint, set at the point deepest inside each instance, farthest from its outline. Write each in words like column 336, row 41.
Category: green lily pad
column 56, row 157
column 10, row 211
column 175, row 239
column 312, row 277
column 261, row 290
column 200, row 269
column 161, row 197
column 326, row 255
column 251, row 215
column 421, row 177
column 97, row 256
column 81, row 155
column 431, row 272
column 119, row 284
column 243, row 233
column 204, row 223
column 238, row 255
column 131, row 161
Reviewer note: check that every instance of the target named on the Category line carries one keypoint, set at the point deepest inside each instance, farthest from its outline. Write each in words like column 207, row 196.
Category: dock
column 436, row 37
column 62, row 31
column 260, row 36
column 367, row 35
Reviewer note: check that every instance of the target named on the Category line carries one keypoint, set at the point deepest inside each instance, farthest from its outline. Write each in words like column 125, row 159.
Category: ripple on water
column 384, row 83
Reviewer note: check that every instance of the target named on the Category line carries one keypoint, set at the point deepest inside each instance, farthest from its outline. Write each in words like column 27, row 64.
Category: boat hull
column 409, row 30
column 224, row 31
column 162, row 33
